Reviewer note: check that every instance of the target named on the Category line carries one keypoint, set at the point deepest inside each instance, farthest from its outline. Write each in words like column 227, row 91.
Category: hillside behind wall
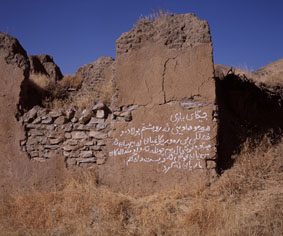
column 157, row 133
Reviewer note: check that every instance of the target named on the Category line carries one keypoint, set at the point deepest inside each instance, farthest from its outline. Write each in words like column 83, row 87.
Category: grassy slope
column 245, row 200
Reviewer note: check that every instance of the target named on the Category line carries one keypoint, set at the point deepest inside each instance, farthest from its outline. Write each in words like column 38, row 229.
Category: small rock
column 60, row 120
column 87, row 160
column 34, row 154
column 30, row 115
column 46, row 120
column 71, row 162
column 55, row 141
column 37, row 120
column 100, row 114
column 80, row 127
column 86, row 154
column 47, row 155
column 97, row 135
column 52, row 147
column 100, row 126
column 69, row 148
column 35, row 132
column 101, row 143
column 70, row 113
column 71, row 142
column 74, row 120
column 98, row 106
column 127, row 115
column 23, row 142
column 42, row 140
column 86, row 116
column 86, row 143
column 29, row 148
column 67, row 135
column 100, row 161
column 79, row 135
column 55, row 114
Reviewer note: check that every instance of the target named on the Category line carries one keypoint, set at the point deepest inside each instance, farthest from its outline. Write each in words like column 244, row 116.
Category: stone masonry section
column 81, row 137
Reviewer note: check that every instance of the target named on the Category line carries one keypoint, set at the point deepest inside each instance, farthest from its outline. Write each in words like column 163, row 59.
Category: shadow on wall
column 245, row 111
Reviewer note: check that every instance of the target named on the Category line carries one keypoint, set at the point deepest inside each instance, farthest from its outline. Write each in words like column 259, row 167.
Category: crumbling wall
column 165, row 68
column 246, row 110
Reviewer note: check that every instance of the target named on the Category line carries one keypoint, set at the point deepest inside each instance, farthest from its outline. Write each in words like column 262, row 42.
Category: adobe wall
column 165, row 69
column 157, row 132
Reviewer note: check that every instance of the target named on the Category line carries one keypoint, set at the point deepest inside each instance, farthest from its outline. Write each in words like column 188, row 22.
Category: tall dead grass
column 245, row 200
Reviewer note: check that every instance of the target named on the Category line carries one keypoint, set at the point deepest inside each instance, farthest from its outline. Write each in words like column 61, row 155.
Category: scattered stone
column 79, row 135
column 97, row 135
column 42, row 140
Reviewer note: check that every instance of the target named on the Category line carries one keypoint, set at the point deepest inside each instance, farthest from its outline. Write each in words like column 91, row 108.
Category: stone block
column 56, row 141
column 46, row 120
column 100, row 114
column 60, row 120
column 55, row 114
column 68, row 135
column 30, row 115
column 86, row 154
column 97, row 135
column 79, row 135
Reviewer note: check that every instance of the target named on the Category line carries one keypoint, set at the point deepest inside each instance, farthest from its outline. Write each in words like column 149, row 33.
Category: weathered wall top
column 173, row 31
column 165, row 60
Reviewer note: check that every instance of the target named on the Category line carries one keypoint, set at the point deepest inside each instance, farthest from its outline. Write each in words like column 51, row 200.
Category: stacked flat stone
column 81, row 137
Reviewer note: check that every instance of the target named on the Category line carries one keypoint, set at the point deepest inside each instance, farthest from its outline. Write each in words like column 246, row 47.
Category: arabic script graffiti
column 182, row 143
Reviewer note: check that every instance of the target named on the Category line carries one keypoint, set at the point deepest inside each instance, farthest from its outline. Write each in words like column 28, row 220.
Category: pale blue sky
column 80, row 31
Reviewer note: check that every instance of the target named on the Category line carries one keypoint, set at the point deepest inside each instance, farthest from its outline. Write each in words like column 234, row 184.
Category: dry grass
column 153, row 16
column 40, row 80
column 246, row 200
column 72, row 81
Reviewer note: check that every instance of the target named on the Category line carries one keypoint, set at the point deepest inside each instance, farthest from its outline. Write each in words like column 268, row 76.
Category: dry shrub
column 72, row 81
column 160, row 13
column 245, row 200
column 40, row 80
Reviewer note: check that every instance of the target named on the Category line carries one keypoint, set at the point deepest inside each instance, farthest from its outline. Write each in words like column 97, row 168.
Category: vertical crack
column 163, row 80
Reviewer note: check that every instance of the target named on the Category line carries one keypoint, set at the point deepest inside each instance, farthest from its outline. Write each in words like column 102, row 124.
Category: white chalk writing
column 182, row 143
